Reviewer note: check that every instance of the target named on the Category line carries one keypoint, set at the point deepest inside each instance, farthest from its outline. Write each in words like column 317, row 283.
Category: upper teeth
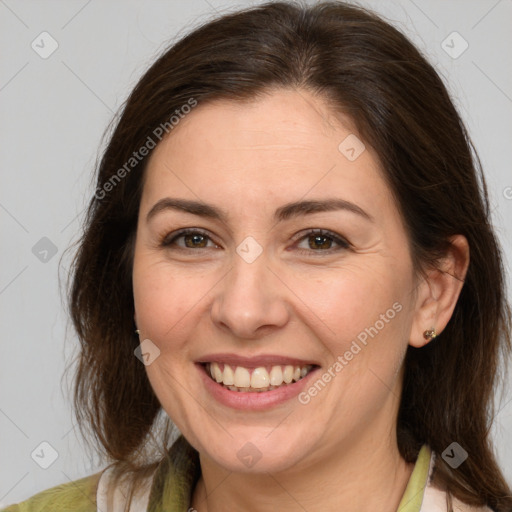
column 260, row 377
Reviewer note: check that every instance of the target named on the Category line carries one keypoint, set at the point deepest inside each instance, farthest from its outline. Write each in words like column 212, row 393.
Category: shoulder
column 435, row 499
column 459, row 506
column 78, row 495
column 98, row 492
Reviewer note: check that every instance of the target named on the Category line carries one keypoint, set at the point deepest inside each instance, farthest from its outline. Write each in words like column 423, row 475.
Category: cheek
column 351, row 300
column 364, row 320
column 165, row 297
column 164, row 304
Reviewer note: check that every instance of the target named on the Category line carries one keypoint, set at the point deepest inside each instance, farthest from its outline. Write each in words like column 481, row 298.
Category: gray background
column 54, row 111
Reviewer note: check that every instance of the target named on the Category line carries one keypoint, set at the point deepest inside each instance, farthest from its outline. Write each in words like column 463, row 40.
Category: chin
column 255, row 451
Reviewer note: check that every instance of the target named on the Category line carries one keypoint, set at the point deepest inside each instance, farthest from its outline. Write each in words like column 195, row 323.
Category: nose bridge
column 250, row 296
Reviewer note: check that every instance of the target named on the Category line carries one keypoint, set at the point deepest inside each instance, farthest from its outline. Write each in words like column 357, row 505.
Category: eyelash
column 168, row 240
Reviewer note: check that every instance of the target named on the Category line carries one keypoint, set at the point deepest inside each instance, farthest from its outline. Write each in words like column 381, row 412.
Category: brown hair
column 368, row 70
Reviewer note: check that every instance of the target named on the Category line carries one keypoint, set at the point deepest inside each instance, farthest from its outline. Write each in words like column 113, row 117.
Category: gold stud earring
column 430, row 334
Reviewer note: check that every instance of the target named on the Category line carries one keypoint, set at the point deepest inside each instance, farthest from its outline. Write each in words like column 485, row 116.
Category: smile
column 256, row 380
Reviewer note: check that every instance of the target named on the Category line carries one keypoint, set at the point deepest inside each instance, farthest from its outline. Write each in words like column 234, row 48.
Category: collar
column 176, row 476
column 421, row 475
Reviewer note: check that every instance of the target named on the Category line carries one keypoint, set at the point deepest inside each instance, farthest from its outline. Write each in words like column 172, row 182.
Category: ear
column 438, row 292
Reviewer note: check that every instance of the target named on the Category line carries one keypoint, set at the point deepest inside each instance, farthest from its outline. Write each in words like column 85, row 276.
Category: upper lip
column 254, row 361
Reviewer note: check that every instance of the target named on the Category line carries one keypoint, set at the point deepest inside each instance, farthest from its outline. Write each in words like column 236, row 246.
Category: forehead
column 283, row 146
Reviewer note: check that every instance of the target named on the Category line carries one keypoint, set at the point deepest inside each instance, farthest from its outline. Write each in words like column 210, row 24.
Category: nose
column 251, row 300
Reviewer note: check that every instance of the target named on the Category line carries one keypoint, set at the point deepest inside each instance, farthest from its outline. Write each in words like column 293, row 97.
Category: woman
column 289, row 254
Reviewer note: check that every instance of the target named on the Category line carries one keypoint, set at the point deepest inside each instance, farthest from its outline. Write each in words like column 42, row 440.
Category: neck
column 358, row 476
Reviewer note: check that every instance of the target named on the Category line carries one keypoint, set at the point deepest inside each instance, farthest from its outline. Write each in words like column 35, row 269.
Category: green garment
column 174, row 482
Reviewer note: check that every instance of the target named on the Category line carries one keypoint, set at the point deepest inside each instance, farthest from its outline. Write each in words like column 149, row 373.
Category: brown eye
column 322, row 242
column 192, row 239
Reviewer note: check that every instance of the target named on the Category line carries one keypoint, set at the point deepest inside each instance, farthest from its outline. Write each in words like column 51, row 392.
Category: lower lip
column 253, row 400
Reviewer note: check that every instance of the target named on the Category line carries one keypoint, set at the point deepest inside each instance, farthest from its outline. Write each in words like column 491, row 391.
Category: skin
column 249, row 159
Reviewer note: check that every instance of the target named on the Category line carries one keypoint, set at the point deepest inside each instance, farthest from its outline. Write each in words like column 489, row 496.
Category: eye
column 318, row 240
column 192, row 238
column 321, row 241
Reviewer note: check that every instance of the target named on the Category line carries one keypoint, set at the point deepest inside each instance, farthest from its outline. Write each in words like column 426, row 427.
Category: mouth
column 256, row 380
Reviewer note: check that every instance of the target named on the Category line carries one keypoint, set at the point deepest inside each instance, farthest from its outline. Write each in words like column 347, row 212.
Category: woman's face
column 299, row 259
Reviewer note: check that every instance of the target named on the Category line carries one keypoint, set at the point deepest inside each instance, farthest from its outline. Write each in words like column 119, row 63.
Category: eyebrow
column 285, row 212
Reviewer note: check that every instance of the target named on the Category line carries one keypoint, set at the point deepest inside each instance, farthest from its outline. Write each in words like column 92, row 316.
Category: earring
column 137, row 331
column 430, row 334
